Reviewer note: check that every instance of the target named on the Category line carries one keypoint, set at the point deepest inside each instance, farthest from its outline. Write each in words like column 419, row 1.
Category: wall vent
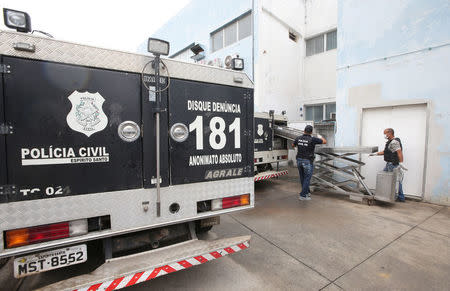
column 293, row 36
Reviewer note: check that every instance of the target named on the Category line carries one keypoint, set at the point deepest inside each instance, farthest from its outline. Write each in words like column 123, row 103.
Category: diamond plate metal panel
column 83, row 55
column 125, row 208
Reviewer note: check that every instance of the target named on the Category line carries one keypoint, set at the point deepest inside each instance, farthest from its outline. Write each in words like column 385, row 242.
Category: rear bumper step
column 269, row 174
column 126, row 271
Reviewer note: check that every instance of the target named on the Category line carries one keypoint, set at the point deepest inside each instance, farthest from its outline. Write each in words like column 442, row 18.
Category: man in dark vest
column 393, row 156
column 305, row 157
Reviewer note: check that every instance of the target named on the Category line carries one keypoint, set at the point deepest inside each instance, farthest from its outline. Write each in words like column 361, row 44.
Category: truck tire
column 199, row 229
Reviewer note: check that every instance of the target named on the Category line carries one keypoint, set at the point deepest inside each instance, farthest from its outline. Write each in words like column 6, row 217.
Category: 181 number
column 217, row 137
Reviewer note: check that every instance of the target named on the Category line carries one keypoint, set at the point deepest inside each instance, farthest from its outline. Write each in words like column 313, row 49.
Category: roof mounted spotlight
column 158, row 47
column 17, row 20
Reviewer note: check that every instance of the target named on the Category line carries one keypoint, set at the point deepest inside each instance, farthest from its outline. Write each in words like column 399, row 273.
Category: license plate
column 41, row 262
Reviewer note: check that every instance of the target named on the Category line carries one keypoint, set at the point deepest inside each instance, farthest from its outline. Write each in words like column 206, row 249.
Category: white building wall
column 278, row 63
column 320, row 78
column 278, row 59
column 321, row 16
column 289, row 12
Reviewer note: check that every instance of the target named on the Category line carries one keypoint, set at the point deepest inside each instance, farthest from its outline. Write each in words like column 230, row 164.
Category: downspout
column 302, row 86
column 253, row 40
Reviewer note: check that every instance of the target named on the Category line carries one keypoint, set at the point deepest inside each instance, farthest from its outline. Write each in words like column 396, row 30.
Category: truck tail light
column 229, row 202
column 42, row 233
column 284, row 157
column 78, row 227
column 245, row 199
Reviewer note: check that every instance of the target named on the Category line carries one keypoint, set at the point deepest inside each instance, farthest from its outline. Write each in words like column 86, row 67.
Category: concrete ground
column 328, row 243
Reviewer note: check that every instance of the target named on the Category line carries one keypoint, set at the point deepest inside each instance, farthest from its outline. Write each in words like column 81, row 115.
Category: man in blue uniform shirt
column 305, row 157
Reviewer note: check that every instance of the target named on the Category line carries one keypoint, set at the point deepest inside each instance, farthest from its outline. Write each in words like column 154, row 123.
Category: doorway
column 409, row 123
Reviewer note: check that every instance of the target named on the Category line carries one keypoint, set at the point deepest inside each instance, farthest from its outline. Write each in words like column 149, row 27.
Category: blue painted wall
column 195, row 23
column 376, row 29
column 404, row 46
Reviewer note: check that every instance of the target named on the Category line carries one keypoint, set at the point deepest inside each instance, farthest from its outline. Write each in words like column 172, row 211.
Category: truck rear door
column 220, row 141
column 263, row 134
column 4, row 129
column 65, row 121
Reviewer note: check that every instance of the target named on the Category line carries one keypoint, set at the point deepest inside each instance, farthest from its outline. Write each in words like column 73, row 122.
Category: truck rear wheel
column 200, row 229
column 204, row 229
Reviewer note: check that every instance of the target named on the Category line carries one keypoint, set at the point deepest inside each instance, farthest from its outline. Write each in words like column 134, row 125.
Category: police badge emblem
column 86, row 115
column 260, row 130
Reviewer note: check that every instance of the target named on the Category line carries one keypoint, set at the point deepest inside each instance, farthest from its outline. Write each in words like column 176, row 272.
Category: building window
column 316, row 45
column 217, row 40
column 331, row 40
column 231, row 32
column 245, row 26
column 320, row 112
column 314, row 113
column 330, row 111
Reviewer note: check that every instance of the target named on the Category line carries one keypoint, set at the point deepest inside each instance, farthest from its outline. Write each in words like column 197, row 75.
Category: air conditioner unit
column 333, row 115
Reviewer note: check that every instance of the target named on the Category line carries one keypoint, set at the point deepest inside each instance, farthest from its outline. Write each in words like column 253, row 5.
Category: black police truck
column 107, row 158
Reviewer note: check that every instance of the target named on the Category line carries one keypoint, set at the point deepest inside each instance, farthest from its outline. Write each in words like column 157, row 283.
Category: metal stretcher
column 337, row 169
